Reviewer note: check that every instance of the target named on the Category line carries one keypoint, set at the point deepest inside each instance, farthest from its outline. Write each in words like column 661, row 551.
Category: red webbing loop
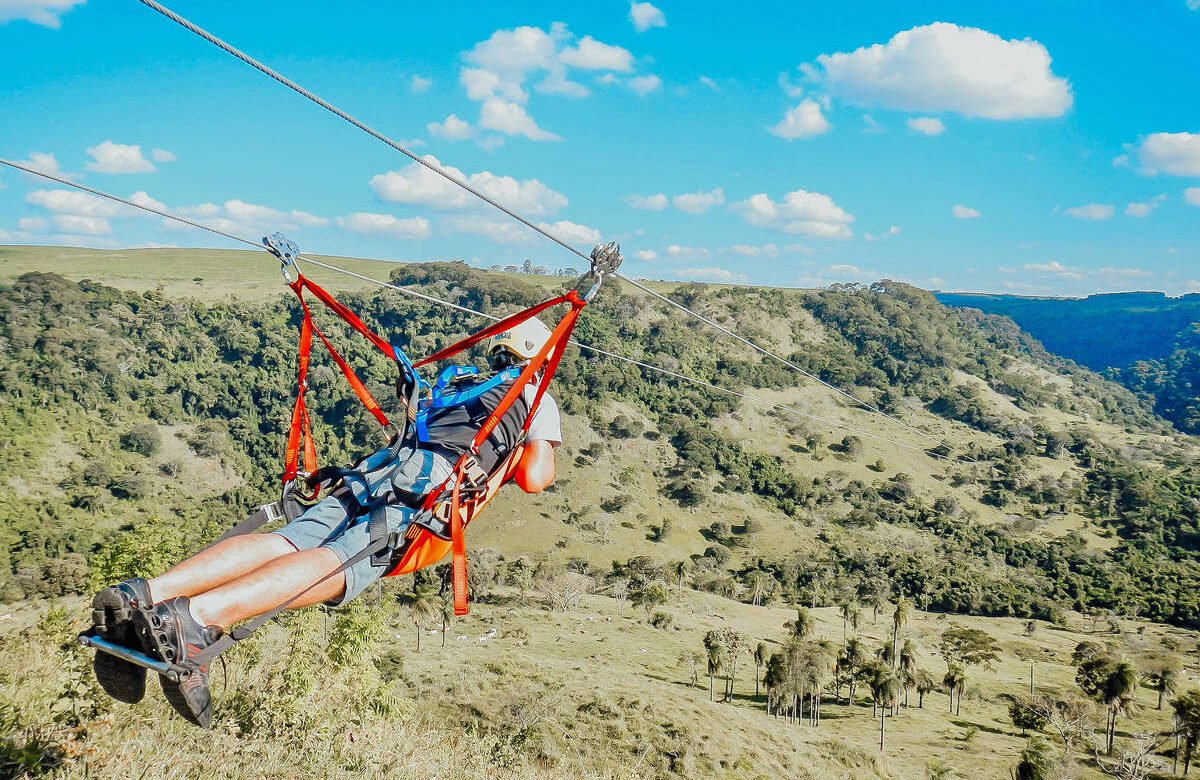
column 458, row 542
column 340, row 310
column 491, row 330
column 356, row 384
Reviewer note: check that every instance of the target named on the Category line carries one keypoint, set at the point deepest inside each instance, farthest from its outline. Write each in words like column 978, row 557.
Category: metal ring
column 283, row 269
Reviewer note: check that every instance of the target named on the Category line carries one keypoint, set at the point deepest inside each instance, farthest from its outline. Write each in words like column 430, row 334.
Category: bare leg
column 270, row 585
column 219, row 564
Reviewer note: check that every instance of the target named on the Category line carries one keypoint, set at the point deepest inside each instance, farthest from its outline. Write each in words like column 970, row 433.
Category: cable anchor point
column 606, row 259
column 286, row 250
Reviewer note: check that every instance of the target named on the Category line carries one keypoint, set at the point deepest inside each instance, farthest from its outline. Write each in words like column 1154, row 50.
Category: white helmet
column 524, row 339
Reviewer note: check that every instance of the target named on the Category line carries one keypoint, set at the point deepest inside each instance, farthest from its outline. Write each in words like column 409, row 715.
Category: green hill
column 1144, row 340
column 138, row 421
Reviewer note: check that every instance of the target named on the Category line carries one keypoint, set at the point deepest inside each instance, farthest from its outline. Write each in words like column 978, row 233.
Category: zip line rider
column 178, row 614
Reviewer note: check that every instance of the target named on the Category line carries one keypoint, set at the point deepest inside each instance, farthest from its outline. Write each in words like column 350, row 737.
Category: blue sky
column 1040, row 148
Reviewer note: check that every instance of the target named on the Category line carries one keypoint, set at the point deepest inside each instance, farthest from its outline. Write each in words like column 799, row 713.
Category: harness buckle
column 287, row 252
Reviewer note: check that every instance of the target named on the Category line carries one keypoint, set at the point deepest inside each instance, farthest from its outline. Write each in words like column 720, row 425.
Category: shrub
column 663, row 620
column 143, row 439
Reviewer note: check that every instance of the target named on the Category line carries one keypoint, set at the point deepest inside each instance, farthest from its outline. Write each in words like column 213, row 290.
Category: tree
column 1111, row 682
column 900, row 617
column 968, row 647
column 1028, row 712
column 955, row 680
column 1037, row 762
column 1187, row 718
column 717, row 652
column 1163, row 676
column 446, row 611
column 691, row 659
column 680, row 569
column 423, row 605
column 760, row 658
column 924, row 683
column 850, row 662
column 802, row 626
column 885, row 692
column 648, row 595
column 906, row 666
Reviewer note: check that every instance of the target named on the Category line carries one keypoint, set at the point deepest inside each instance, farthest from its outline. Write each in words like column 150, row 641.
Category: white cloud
column 32, row 223
column 162, row 156
column 109, row 157
column 8, row 236
column 79, row 225
column 416, row 184
column 1175, row 154
column 419, row 84
column 945, row 67
column 844, row 270
column 926, row 125
column 1192, row 196
column 511, row 119
column 708, row 82
column 366, row 223
column 507, row 232
column 720, row 275
column 452, row 129
column 1193, row 5
column 648, row 202
column 1144, row 209
column 482, row 84
column 645, row 255
column 518, row 51
column 789, row 87
column 803, row 249
column 591, row 54
column 677, row 252
column 644, row 16
column 800, row 212
column 490, row 143
column 1055, row 268
column 892, row 231
column 803, row 121
column 77, row 204
column 699, row 202
column 238, row 216
column 766, row 250
column 1094, row 211
column 142, row 198
column 644, row 85
column 964, row 212
column 47, row 163
column 43, row 12
column 572, row 232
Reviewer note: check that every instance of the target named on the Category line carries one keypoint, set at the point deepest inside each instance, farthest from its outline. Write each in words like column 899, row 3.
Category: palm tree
column 885, row 692
column 1118, row 692
column 802, row 626
column 955, row 680
column 1164, row 677
column 924, row 683
column 851, row 660
column 680, row 569
column 422, row 607
column 906, row 665
column 899, row 618
column 447, row 612
column 692, row 659
column 856, row 619
column 760, row 658
column 848, row 608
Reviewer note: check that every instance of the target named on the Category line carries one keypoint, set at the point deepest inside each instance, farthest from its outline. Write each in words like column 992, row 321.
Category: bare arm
column 535, row 471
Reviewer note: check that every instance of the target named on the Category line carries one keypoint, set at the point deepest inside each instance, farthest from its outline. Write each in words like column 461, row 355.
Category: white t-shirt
column 547, row 423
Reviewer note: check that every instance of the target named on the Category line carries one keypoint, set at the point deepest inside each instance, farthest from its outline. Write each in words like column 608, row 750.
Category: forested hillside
column 1144, row 340
column 134, row 425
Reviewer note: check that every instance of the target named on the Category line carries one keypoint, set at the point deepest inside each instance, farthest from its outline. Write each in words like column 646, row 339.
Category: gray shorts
column 326, row 524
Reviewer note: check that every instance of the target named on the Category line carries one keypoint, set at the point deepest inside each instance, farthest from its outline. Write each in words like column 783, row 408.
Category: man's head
column 518, row 345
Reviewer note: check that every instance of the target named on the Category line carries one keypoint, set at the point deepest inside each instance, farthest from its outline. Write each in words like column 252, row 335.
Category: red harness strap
column 301, row 429
column 549, row 356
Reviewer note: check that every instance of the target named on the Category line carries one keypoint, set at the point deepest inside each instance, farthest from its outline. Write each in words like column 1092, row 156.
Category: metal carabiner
column 287, row 252
column 606, row 259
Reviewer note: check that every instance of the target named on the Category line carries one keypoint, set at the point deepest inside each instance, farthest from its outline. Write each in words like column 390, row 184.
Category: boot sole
column 111, row 618
column 158, row 641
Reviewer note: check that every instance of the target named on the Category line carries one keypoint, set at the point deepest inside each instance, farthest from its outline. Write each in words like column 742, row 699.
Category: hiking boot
column 170, row 633
column 112, row 619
